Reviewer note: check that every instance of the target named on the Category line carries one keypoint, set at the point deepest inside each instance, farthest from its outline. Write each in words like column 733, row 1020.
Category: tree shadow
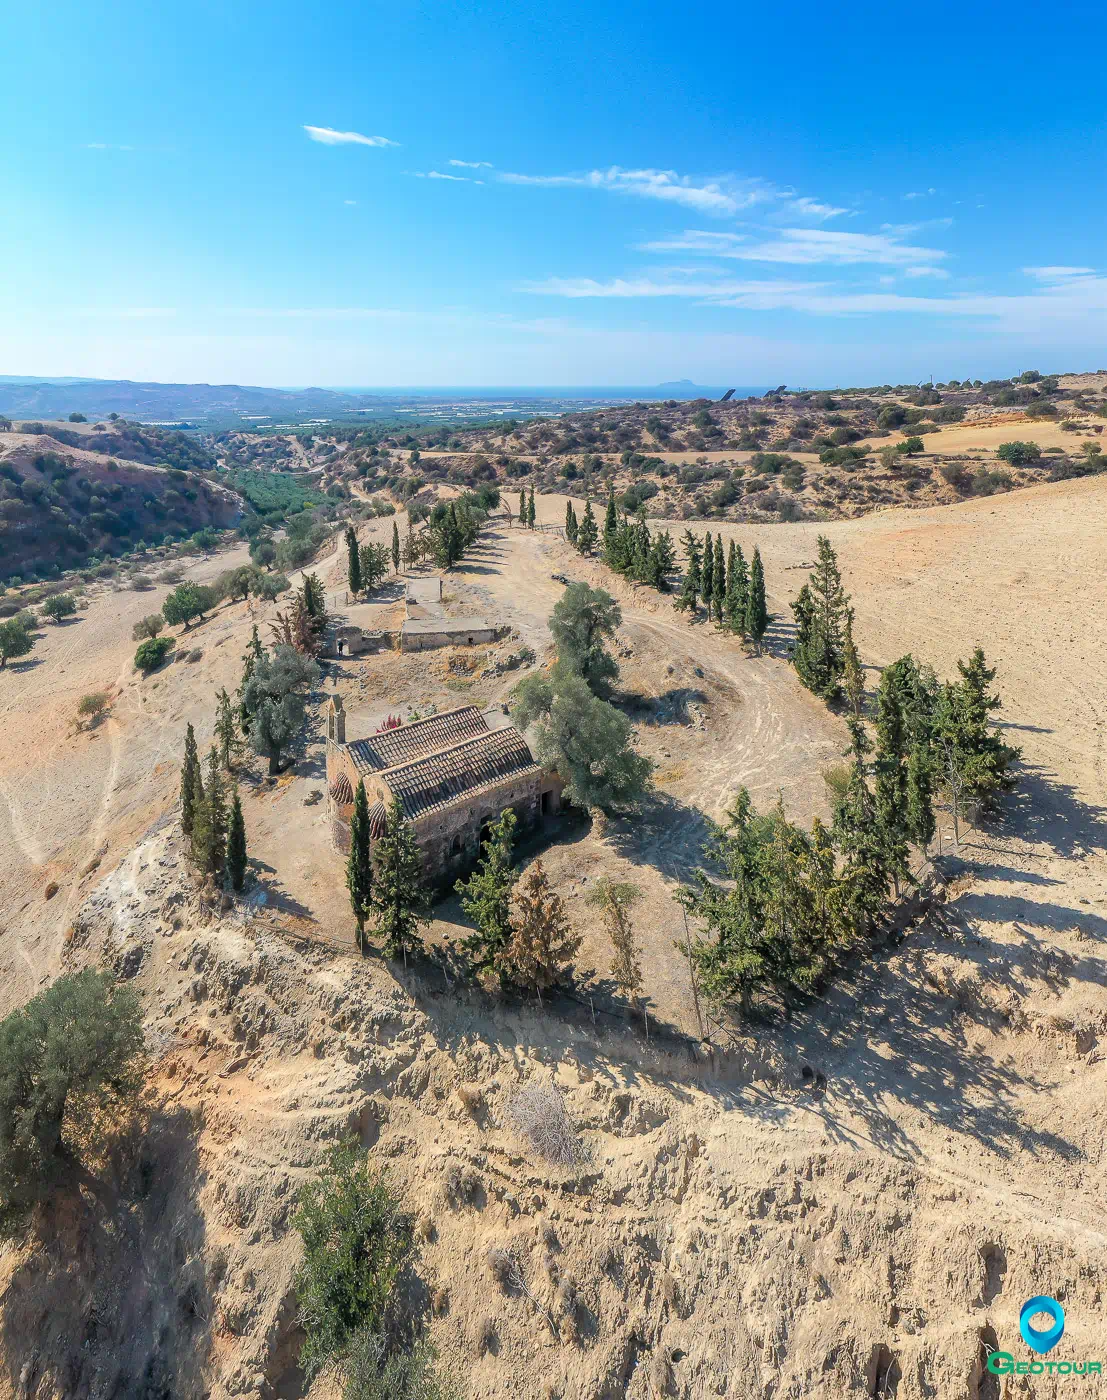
column 670, row 707
column 1047, row 811
column 885, row 1042
column 275, row 895
column 116, row 1300
column 666, row 834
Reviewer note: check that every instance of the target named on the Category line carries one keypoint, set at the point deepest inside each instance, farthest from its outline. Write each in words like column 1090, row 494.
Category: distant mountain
column 50, row 398
column 96, row 398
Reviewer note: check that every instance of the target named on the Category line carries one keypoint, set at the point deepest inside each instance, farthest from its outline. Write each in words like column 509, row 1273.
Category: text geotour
column 1002, row 1363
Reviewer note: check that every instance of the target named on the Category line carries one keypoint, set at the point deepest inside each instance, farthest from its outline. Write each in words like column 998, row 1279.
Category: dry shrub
column 440, row 1300
column 504, row 1267
column 567, row 1298
column 471, row 1098
column 460, row 1186
column 670, row 1291
column 425, row 1228
column 485, row 1335
column 537, row 1113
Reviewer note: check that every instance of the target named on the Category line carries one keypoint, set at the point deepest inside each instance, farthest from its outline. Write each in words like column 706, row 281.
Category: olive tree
column 273, row 701
column 68, row 1059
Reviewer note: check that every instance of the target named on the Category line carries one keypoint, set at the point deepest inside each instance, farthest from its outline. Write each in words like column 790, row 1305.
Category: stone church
column 453, row 774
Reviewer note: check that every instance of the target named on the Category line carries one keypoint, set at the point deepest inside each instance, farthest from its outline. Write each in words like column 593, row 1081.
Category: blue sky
column 569, row 194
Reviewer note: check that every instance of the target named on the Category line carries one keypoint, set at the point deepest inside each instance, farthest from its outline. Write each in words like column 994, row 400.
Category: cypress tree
column 863, row 880
column 976, row 758
column 359, row 866
column 209, row 828
column 530, row 510
column 486, row 898
column 853, row 676
column 737, row 586
column 820, row 661
column 707, row 586
column 718, row 582
column 757, row 615
column 587, row 534
column 523, row 506
column 920, row 800
column 192, row 787
column 395, row 547
column 226, row 732
column 236, row 846
column 399, row 897
column 570, row 523
column 689, row 593
column 353, row 564
column 610, row 525
column 250, row 657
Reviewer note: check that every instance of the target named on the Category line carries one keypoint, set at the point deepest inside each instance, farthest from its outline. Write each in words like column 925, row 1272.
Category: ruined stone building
column 453, row 775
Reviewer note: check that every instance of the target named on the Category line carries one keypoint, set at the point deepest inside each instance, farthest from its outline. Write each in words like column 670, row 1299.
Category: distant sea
column 681, row 390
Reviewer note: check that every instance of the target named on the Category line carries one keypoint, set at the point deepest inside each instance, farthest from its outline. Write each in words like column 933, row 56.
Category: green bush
column 357, row 1241
column 152, row 652
column 149, row 626
column 910, row 446
column 1018, row 454
column 59, row 606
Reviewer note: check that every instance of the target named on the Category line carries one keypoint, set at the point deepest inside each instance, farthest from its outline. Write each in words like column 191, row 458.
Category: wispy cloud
column 327, row 136
column 441, row 175
column 1058, row 273
column 920, row 194
column 628, row 287
column 908, row 230
column 472, row 164
column 695, row 240
column 105, row 146
column 720, row 195
column 808, row 208
column 925, row 272
column 349, row 201
column 1072, row 305
column 802, row 247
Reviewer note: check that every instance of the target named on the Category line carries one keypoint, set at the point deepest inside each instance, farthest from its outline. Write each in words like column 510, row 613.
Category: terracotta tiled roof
column 438, row 780
column 411, row 741
column 378, row 820
column 341, row 790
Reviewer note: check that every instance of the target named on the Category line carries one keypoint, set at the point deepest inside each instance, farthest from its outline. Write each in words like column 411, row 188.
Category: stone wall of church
column 450, row 840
